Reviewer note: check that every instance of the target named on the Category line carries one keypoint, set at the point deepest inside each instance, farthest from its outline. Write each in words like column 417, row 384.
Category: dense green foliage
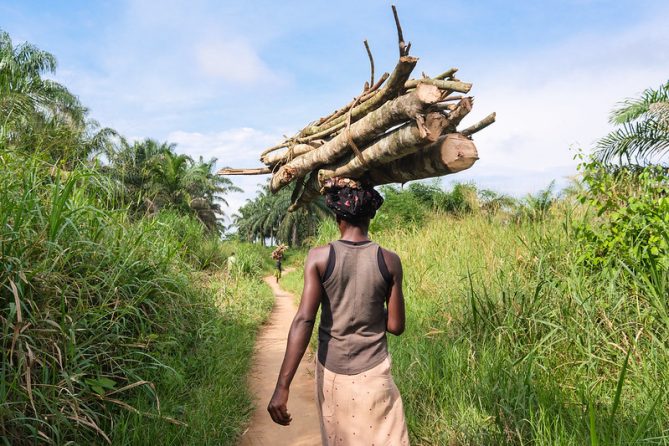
column 123, row 319
column 631, row 205
column 102, row 315
column 155, row 177
column 38, row 115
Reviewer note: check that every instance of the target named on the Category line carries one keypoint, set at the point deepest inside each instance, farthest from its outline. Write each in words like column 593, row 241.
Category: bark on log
column 445, row 106
column 365, row 97
column 256, row 171
column 401, row 142
column 281, row 145
column 462, row 87
column 452, row 153
column 483, row 123
column 390, row 90
column 447, row 74
column 391, row 113
column 457, row 115
column 272, row 159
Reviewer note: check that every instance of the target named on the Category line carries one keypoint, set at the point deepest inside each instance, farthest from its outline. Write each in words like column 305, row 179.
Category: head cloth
column 350, row 199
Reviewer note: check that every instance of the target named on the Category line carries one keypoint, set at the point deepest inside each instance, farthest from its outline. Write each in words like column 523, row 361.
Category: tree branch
column 371, row 63
column 404, row 48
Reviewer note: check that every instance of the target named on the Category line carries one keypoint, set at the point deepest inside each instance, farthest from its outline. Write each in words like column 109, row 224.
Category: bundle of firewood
column 277, row 254
column 397, row 130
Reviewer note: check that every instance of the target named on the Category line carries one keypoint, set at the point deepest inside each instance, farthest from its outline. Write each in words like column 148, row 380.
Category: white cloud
column 239, row 147
column 558, row 98
column 232, row 60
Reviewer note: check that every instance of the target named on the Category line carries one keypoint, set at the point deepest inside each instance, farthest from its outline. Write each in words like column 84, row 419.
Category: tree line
column 40, row 115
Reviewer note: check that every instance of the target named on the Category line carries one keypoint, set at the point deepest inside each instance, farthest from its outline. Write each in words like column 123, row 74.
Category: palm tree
column 40, row 114
column 169, row 180
column 267, row 216
column 133, row 165
column 156, row 177
column 207, row 191
column 644, row 132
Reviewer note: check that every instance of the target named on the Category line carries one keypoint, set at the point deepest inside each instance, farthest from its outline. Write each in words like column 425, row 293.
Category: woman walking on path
column 358, row 285
column 279, row 269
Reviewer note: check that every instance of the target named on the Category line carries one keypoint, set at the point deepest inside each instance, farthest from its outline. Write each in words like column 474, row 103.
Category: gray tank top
column 352, row 332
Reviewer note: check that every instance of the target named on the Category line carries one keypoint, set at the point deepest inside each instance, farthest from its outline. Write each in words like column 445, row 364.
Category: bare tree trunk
column 252, row 171
column 462, row 87
column 483, row 123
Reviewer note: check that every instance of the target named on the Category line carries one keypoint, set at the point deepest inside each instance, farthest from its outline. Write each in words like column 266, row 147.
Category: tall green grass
column 110, row 331
column 511, row 341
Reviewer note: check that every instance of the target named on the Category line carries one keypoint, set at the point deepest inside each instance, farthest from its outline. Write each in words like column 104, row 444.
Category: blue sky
column 226, row 79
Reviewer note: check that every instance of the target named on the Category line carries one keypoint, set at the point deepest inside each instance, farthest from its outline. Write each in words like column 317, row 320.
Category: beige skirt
column 363, row 409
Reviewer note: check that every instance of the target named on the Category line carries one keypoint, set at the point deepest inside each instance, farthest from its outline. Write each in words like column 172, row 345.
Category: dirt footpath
column 271, row 344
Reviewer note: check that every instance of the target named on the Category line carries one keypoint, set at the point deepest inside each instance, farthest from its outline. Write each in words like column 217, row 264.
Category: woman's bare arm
column 395, row 303
column 299, row 334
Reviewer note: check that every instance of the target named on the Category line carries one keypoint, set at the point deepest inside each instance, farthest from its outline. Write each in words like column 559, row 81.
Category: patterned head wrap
column 351, row 199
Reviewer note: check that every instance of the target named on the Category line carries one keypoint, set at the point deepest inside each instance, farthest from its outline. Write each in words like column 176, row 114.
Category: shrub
column 631, row 221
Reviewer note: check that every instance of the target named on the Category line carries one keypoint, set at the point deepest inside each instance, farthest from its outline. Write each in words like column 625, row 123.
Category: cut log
column 457, row 115
column 483, row 123
column 391, row 113
column 447, row 74
column 390, row 90
column 401, row 142
column 256, row 171
column 273, row 159
column 452, row 153
column 364, row 98
column 462, row 87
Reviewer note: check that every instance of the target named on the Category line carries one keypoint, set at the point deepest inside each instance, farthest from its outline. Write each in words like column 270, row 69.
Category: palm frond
column 636, row 141
column 634, row 108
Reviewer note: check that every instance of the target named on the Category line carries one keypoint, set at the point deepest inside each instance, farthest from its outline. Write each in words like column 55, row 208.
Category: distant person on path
column 277, row 255
column 230, row 263
column 277, row 274
column 358, row 285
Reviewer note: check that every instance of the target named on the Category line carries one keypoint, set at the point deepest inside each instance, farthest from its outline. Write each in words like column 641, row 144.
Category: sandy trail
column 304, row 430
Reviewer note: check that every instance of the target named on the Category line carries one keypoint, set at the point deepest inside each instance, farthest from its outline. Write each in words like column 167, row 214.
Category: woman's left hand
column 277, row 407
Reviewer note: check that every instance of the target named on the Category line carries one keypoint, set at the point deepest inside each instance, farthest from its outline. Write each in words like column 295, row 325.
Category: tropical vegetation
column 120, row 322
column 643, row 133
column 265, row 219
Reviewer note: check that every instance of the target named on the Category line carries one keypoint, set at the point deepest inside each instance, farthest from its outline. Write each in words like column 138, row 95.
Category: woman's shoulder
column 319, row 249
column 392, row 259
column 318, row 258
column 318, row 253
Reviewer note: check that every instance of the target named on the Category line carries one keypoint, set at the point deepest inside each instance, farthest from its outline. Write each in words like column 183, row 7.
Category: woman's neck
column 354, row 234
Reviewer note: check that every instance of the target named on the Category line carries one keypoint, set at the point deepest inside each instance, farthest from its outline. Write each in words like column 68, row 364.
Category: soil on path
column 304, row 430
